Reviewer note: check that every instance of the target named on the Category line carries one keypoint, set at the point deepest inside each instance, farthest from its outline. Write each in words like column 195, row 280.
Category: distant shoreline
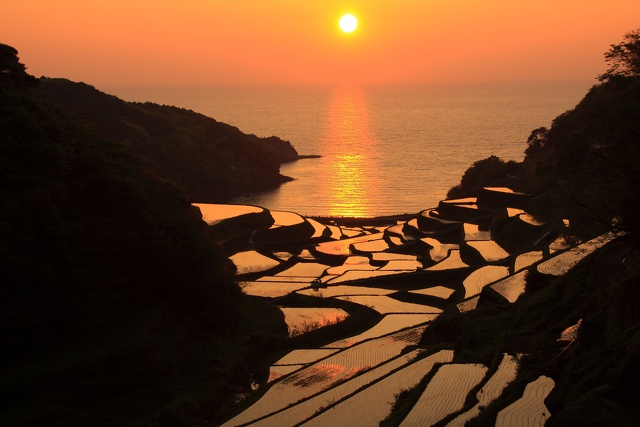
column 308, row 156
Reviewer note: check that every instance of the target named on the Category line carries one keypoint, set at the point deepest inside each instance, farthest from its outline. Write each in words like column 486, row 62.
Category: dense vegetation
column 211, row 160
column 116, row 306
column 585, row 165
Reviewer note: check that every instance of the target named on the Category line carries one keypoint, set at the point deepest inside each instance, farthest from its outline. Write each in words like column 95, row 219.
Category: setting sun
column 348, row 23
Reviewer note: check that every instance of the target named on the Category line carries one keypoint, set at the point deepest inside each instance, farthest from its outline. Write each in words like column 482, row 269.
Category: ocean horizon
column 385, row 150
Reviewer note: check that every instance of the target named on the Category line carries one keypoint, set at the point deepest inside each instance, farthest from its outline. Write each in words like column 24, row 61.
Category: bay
column 385, row 149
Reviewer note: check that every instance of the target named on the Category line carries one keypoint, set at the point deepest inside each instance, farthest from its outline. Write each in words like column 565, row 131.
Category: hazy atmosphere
column 108, row 42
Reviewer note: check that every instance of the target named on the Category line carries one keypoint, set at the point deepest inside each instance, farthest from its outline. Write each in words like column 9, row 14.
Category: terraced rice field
column 565, row 261
column 453, row 261
column 473, row 232
column 389, row 256
column 445, row 394
column 373, row 404
column 270, row 289
column 468, row 304
column 305, row 269
column 436, row 291
column 389, row 324
column 318, row 227
column 530, row 409
column 213, row 214
column 385, row 305
column 439, row 251
column 360, row 275
column 492, row 389
column 252, row 262
column 342, row 247
column 341, row 269
column 489, row 250
column 481, row 277
column 379, row 245
column 300, row 320
column 278, row 371
column 328, row 372
column 285, row 219
column 510, row 288
column 353, row 381
column 304, row 356
column 344, row 290
column 313, row 406
column 527, row 259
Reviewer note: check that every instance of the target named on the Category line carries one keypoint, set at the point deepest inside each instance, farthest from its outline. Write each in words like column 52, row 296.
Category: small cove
column 385, row 150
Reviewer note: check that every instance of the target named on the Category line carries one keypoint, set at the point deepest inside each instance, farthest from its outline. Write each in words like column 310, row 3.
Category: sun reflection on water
column 349, row 154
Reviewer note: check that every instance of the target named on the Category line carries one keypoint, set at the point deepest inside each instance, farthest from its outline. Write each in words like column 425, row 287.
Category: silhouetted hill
column 211, row 160
column 585, row 165
column 115, row 302
column 583, row 168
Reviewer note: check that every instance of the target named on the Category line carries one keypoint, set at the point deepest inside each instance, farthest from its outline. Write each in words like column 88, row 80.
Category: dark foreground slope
column 116, row 307
column 211, row 160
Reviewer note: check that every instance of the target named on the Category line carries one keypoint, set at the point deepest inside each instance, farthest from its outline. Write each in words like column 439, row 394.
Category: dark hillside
column 590, row 156
column 585, row 167
column 586, row 164
column 211, row 160
column 116, row 307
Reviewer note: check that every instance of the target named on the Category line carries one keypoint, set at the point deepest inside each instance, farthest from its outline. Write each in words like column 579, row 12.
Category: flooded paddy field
column 410, row 271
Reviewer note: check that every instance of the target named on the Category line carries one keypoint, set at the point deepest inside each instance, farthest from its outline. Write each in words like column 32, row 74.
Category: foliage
column 12, row 72
column 586, row 163
column 116, row 305
column 589, row 159
column 211, row 160
column 491, row 171
column 623, row 58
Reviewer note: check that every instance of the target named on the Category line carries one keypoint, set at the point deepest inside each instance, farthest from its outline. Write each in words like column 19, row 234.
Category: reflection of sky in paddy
column 304, row 319
column 445, row 393
column 345, row 290
column 252, row 262
column 386, row 305
column 328, row 372
column 389, row 324
column 304, row 410
column 511, row 287
column 481, row 277
column 492, row 389
column 214, row 213
column 370, row 406
column 269, row 289
column 561, row 263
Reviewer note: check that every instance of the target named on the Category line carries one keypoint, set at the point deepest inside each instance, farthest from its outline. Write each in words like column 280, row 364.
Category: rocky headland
column 209, row 159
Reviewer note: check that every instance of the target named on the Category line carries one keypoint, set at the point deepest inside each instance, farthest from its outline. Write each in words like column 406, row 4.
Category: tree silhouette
column 11, row 70
column 623, row 58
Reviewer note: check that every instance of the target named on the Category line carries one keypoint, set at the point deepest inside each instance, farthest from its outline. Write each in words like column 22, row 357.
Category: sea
column 384, row 150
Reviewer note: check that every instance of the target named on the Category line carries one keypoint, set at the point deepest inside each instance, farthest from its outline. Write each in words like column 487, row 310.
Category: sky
column 224, row 42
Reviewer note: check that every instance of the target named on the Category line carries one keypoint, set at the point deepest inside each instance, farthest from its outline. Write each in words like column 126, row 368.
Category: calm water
column 385, row 150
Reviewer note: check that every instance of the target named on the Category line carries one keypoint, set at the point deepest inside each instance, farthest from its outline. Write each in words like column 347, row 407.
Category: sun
column 348, row 23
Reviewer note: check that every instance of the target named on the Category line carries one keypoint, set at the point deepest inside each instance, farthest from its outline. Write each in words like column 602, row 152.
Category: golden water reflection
column 349, row 153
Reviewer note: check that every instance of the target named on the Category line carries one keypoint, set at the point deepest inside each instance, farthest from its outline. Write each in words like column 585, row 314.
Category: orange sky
column 121, row 42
